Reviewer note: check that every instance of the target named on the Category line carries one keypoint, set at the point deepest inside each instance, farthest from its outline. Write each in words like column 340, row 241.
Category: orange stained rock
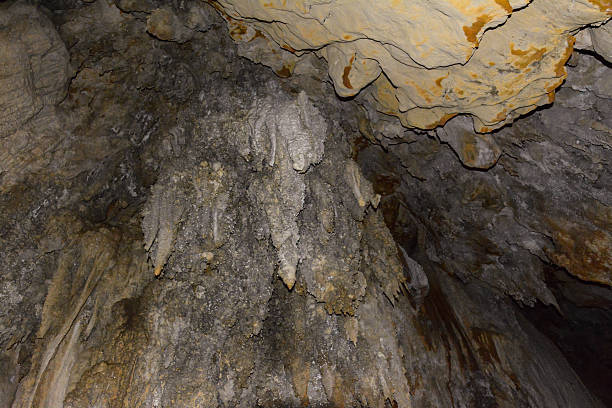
column 385, row 94
column 288, row 48
column 258, row 34
column 471, row 32
column 442, row 121
column 585, row 253
column 284, row 72
column 501, row 115
column 505, row 4
column 486, row 349
column 345, row 76
column 238, row 29
column 526, row 57
column 554, row 85
column 473, row 44
column 439, row 80
column 605, row 6
column 272, row 4
column 469, row 152
column 422, row 92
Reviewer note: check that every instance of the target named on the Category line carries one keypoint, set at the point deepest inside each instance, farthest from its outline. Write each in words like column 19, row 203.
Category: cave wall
column 546, row 199
column 181, row 227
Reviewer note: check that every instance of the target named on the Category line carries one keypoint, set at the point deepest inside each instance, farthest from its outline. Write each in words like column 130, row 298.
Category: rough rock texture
column 598, row 40
column 547, row 199
column 428, row 61
column 179, row 227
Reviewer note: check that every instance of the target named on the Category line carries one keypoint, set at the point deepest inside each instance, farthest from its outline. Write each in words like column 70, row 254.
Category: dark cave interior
column 204, row 205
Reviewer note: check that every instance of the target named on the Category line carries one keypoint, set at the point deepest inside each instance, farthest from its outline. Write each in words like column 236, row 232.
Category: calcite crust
column 426, row 61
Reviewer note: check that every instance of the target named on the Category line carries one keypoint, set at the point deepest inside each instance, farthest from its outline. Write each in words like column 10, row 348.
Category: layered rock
column 426, row 62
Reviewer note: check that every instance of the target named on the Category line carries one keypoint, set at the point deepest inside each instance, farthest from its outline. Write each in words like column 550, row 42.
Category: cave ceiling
column 428, row 61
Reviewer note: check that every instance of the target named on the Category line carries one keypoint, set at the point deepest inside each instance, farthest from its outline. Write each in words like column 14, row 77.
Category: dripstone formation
column 255, row 204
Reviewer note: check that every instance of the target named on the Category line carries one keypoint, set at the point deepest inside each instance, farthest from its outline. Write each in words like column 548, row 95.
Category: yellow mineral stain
column 467, row 7
column 442, row 121
column 471, row 32
column 439, row 80
column 584, row 252
column 338, row 392
column 345, row 76
column 469, row 150
column 501, row 116
column 385, row 95
column 284, row 72
column 605, row 6
column 424, row 94
column 258, row 34
column 526, row 57
column 554, row 85
column 238, row 30
column 505, row 4
column 288, row 48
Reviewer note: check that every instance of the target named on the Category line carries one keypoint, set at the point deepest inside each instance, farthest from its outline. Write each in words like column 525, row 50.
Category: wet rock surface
column 180, row 227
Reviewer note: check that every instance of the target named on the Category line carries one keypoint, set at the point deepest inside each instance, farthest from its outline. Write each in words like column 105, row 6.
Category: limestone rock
column 34, row 72
column 602, row 41
column 289, row 139
column 165, row 25
column 598, row 40
column 160, row 221
column 474, row 150
column 35, row 65
column 560, row 216
column 492, row 60
column 225, row 173
column 418, row 284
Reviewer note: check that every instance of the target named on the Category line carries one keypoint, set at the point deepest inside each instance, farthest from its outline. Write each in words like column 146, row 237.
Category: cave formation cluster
column 290, row 203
